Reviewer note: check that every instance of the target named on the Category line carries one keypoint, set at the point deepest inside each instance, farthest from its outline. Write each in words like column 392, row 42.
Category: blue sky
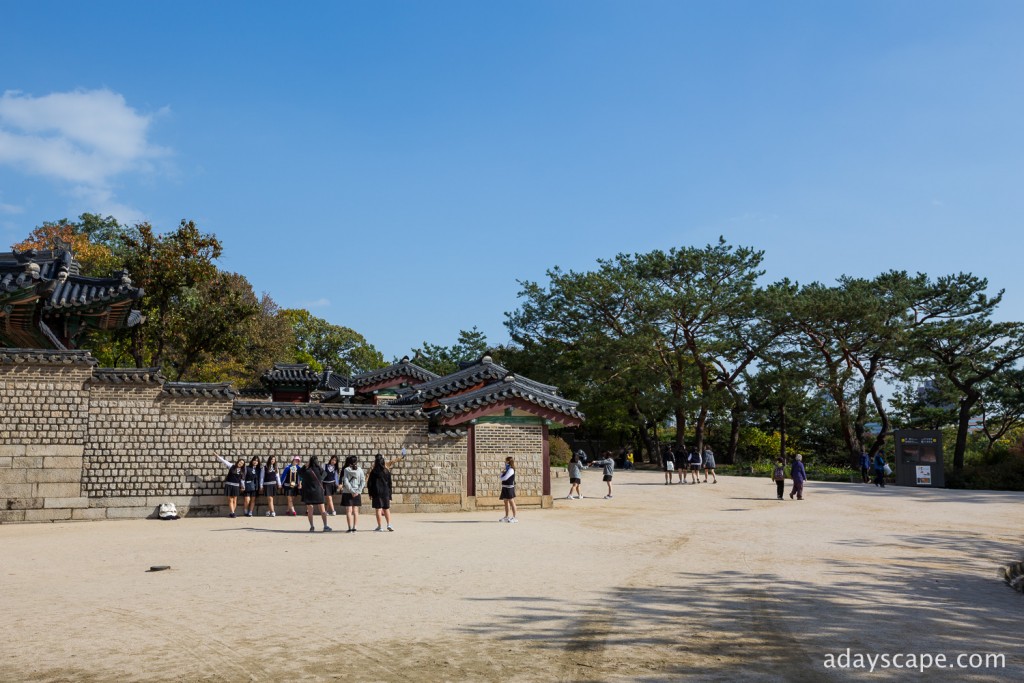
column 396, row 166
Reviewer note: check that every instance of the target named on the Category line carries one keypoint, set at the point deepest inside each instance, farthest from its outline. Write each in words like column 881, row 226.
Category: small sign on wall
column 924, row 475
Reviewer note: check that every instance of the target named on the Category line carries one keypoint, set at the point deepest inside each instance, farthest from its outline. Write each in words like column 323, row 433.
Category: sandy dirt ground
column 661, row 583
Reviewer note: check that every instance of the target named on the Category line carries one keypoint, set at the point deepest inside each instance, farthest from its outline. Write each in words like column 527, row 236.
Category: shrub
column 559, row 451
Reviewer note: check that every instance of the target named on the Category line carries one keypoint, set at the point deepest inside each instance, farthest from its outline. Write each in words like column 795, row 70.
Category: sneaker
column 390, row 528
column 331, row 513
column 350, row 531
column 273, row 514
column 378, row 529
column 513, row 520
column 269, row 513
column 503, row 519
column 327, row 528
column 292, row 513
column 232, row 515
column 568, row 497
column 312, row 528
column 608, row 496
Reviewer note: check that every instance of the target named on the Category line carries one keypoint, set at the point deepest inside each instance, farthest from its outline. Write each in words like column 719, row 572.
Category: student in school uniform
column 251, row 480
column 668, row 459
column 380, row 488
column 508, row 490
column 331, row 474
column 695, row 466
column 311, row 487
column 232, row 482
column 271, row 483
column 290, row 484
column 353, row 480
column 608, row 463
column 575, row 476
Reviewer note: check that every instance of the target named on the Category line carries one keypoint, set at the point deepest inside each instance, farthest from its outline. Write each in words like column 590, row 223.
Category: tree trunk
column 680, row 428
column 963, row 424
column 782, row 433
column 734, row 437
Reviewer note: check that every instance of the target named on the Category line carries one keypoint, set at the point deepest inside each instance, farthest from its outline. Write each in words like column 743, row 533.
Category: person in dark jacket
column 311, row 489
column 668, row 460
column 232, row 482
column 799, row 476
column 380, row 487
column 865, row 465
column 251, row 480
column 879, row 469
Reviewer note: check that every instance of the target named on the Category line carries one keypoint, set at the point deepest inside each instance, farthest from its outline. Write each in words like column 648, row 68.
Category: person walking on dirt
column 694, row 467
column 799, row 476
column 879, row 469
column 779, row 477
column 865, row 465
column 668, row 460
column 709, row 465
column 311, row 490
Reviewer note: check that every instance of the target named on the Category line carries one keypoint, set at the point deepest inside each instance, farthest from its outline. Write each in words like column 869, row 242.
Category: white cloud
column 85, row 138
column 322, row 302
column 10, row 208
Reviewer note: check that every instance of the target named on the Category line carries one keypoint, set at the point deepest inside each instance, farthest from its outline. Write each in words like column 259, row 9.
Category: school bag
column 779, row 473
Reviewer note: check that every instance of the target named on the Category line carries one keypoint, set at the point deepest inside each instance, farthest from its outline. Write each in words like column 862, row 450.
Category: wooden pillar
column 471, row 461
column 546, row 464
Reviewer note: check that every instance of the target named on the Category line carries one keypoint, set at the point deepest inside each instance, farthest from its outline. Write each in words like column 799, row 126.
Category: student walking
column 508, row 490
column 799, row 476
column 709, row 465
column 694, row 467
column 271, row 482
column 575, row 476
column 682, row 463
column 290, row 484
column 608, row 463
column 865, row 465
column 311, row 487
column 668, row 462
column 353, row 479
column 251, row 485
column 380, row 488
column 232, row 482
column 331, row 474
column 779, row 477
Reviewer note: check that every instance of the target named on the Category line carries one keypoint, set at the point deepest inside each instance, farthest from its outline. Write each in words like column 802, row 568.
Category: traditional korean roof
column 333, row 411
column 511, row 389
column 484, row 371
column 404, row 370
column 139, row 376
column 290, row 375
column 199, row 389
column 45, row 302
column 45, row 357
column 332, row 381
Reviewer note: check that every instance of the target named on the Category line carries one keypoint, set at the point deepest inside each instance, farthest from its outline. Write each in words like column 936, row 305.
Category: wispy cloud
column 84, row 138
column 10, row 208
column 322, row 302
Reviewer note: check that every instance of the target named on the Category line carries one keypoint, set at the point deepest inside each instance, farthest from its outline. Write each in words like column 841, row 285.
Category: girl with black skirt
column 290, row 484
column 353, row 479
column 508, row 490
column 233, row 482
column 379, row 486
column 331, row 483
column 251, row 479
column 311, row 486
column 271, row 482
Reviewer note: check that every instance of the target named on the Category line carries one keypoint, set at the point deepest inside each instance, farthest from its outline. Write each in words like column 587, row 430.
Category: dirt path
column 701, row 582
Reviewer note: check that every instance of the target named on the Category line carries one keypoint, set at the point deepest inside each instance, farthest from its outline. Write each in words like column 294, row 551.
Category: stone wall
column 77, row 442
column 43, row 416
column 494, row 441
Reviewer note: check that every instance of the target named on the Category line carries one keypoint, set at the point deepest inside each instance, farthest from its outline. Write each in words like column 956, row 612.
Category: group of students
column 578, row 461
column 679, row 462
column 314, row 484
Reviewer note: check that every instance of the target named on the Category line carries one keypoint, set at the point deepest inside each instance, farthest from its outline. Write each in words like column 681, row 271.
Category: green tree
column 954, row 336
column 471, row 345
column 323, row 345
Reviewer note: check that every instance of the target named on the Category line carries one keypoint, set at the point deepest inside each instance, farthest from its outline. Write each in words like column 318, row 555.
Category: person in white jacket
column 353, row 480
